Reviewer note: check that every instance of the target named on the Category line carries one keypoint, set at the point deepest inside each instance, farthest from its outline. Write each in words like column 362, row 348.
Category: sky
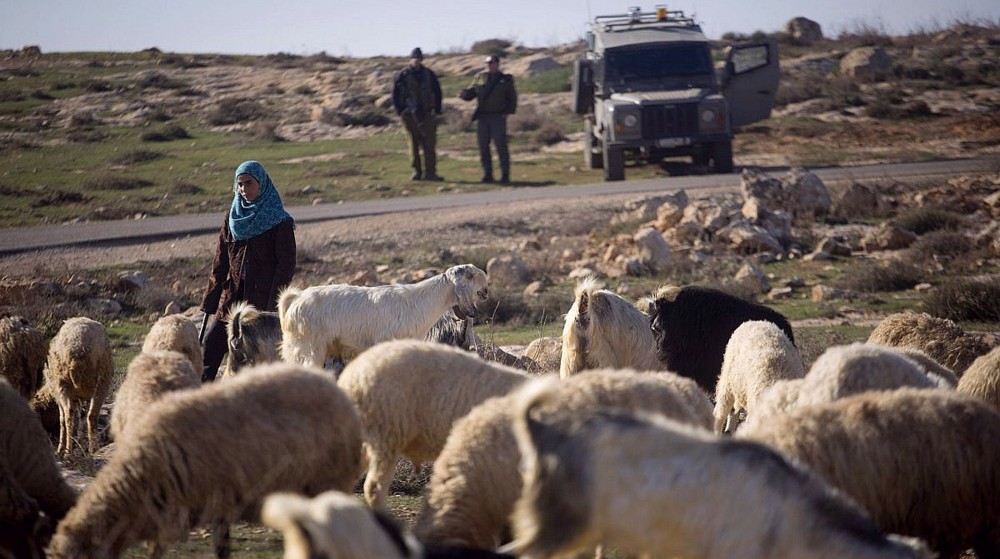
column 355, row 28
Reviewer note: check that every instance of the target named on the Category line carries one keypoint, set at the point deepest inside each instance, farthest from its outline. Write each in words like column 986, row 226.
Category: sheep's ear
column 650, row 307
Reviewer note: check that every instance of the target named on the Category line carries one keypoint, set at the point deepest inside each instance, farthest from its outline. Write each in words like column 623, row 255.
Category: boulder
column 508, row 269
column 752, row 278
column 806, row 193
column 804, row 31
column 866, row 64
column 858, row 200
column 888, row 236
column 654, row 251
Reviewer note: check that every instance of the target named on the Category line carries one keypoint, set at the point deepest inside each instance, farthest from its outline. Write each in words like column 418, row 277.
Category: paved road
column 15, row 240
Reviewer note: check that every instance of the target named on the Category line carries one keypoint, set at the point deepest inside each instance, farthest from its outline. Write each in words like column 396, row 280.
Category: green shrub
column 924, row 220
column 491, row 46
column 966, row 299
column 234, row 111
column 549, row 133
column 139, row 156
column 552, row 81
column 940, row 243
column 116, row 183
column 892, row 275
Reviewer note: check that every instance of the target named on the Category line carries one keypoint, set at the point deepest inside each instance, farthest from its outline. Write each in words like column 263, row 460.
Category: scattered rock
column 508, row 269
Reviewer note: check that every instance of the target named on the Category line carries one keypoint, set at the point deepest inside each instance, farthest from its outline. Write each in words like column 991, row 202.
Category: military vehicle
column 648, row 89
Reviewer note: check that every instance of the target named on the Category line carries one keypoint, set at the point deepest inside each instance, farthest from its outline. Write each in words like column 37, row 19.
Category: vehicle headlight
column 630, row 121
column 713, row 118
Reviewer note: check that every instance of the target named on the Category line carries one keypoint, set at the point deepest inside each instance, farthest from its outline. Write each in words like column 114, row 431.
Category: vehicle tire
column 614, row 162
column 591, row 159
column 701, row 156
column 722, row 157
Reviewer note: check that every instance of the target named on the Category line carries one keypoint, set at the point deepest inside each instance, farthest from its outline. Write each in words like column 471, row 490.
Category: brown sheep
column 22, row 354
column 941, row 339
column 79, row 370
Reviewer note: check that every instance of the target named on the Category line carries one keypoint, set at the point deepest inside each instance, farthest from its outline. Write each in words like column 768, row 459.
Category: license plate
column 672, row 142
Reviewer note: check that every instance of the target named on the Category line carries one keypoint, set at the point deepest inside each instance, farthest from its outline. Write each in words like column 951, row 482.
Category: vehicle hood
column 691, row 95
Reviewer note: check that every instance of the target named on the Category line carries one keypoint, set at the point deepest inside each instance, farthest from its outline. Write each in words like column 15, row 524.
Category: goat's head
column 471, row 287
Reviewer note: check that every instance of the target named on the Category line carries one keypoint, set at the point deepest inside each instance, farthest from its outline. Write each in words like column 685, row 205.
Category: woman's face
column 249, row 187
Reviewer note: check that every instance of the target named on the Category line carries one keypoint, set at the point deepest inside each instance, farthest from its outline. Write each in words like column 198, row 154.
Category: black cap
column 417, row 53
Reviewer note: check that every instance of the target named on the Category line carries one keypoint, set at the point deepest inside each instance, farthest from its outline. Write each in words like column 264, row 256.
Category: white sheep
column 78, row 372
column 758, row 355
column 340, row 321
column 842, row 371
column 208, row 457
column 941, row 339
column 337, row 525
column 150, row 375
column 476, row 479
column 33, row 494
column 253, row 336
column 924, row 463
column 646, row 484
column 409, row 393
column 175, row 332
column 982, row 378
column 603, row 330
column 22, row 354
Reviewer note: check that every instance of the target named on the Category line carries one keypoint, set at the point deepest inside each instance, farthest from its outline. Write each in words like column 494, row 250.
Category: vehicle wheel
column 591, row 159
column 722, row 157
column 614, row 162
column 700, row 157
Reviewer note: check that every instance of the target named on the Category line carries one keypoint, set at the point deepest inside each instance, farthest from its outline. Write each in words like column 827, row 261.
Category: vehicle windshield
column 658, row 62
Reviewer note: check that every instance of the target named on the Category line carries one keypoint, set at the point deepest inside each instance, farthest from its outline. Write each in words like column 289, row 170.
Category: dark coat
column 416, row 91
column 499, row 98
column 270, row 264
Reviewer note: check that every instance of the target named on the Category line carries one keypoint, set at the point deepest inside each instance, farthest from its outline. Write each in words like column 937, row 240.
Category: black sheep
column 692, row 326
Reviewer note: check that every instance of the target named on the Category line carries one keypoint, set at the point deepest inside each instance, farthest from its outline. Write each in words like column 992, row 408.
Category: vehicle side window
column 749, row 58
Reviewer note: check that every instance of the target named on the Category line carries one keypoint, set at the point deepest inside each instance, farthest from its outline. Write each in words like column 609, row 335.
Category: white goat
column 646, row 484
column 340, row 321
column 604, row 330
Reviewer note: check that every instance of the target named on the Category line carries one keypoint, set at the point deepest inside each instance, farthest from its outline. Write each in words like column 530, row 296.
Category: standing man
column 497, row 99
column 416, row 96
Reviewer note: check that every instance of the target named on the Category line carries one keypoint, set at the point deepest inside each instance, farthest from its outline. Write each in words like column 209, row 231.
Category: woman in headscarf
column 254, row 259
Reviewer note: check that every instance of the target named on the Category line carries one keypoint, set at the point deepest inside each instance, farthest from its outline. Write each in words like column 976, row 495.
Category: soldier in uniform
column 416, row 96
column 497, row 98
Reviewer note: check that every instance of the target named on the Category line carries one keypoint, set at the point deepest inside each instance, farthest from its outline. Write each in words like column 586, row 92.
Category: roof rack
column 636, row 17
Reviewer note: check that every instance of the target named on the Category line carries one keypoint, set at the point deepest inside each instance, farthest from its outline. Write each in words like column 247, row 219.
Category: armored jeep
column 648, row 89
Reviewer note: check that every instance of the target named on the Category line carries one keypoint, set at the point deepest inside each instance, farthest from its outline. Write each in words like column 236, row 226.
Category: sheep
column 150, row 375
column 692, row 326
column 450, row 329
column 923, row 463
column 340, row 321
column 475, row 482
column 208, row 457
column 758, row 354
column 982, row 378
column 603, row 330
column 79, row 368
column 337, row 525
column 930, row 365
column 941, row 339
column 842, row 371
column 409, row 393
column 254, row 337
column 177, row 333
column 22, row 354
column 33, row 494
column 647, row 484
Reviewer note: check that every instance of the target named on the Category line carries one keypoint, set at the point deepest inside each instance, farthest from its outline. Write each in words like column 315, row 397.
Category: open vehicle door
column 750, row 81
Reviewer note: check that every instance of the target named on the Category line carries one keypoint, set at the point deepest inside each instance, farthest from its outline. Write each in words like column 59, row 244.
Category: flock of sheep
column 683, row 425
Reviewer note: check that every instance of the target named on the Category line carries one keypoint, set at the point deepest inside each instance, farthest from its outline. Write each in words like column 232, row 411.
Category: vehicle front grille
column 667, row 121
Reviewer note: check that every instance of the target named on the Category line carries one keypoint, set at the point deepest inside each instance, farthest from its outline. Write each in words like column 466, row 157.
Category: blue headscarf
column 249, row 219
